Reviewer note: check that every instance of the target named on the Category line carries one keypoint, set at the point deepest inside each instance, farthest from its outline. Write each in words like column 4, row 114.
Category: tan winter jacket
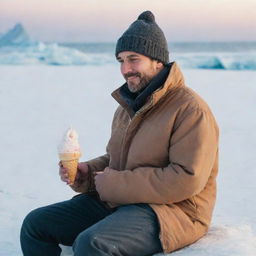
column 165, row 155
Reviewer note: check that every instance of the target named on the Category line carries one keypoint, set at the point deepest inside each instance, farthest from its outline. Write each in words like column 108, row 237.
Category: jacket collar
column 138, row 99
column 174, row 79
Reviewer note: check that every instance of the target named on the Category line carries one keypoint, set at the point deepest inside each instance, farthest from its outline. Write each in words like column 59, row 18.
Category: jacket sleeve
column 99, row 163
column 192, row 153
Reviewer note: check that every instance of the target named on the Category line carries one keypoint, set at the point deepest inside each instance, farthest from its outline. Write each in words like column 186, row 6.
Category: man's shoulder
column 187, row 99
column 192, row 105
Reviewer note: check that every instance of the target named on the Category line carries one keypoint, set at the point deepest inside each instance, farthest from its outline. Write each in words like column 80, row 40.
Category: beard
column 138, row 83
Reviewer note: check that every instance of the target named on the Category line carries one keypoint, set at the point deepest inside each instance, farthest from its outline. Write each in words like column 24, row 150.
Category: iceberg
column 16, row 37
column 221, row 60
column 17, row 48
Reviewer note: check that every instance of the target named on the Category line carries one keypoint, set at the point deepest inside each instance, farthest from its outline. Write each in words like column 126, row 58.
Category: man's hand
column 100, row 180
column 81, row 176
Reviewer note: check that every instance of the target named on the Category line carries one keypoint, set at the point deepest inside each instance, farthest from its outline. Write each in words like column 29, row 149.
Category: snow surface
column 38, row 103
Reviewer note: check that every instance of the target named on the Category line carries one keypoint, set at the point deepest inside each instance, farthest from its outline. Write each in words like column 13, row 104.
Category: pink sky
column 106, row 20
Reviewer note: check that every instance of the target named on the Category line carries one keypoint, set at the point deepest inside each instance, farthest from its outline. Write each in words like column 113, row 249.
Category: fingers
column 64, row 177
column 63, row 174
column 83, row 167
column 94, row 174
column 81, row 175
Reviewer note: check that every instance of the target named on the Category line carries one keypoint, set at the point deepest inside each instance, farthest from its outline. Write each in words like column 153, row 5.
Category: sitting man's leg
column 131, row 230
column 44, row 228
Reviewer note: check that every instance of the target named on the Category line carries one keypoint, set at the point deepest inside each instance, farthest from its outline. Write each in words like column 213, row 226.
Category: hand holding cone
column 69, row 153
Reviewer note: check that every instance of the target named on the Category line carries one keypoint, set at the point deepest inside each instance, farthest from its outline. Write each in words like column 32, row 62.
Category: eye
column 120, row 60
column 134, row 59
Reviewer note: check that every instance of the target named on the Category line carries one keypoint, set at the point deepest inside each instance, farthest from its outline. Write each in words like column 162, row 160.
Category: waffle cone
column 70, row 162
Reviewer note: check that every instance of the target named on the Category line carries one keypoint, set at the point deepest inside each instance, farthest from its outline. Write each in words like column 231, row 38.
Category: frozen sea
column 38, row 103
column 18, row 48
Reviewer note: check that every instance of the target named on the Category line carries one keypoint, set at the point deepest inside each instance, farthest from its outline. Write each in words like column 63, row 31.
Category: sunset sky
column 106, row 20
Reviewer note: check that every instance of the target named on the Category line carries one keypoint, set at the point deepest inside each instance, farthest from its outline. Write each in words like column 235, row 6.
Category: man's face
column 138, row 70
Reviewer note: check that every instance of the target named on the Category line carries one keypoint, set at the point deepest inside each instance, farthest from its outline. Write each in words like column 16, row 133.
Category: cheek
column 123, row 71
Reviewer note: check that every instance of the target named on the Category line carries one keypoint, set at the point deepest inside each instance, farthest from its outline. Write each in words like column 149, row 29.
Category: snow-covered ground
column 38, row 103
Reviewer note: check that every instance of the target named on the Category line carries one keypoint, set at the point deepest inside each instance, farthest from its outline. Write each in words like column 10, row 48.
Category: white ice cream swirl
column 69, row 143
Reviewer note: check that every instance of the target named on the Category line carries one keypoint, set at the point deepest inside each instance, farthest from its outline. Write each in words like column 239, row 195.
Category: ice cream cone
column 70, row 162
column 69, row 153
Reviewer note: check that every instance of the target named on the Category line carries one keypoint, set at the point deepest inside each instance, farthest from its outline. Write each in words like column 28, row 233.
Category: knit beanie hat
column 144, row 36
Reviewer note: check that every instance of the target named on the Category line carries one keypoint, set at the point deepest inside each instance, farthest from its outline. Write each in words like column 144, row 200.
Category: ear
column 159, row 64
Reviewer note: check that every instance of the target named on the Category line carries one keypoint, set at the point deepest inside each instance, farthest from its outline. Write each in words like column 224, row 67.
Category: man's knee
column 93, row 243
column 32, row 221
column 84, row 241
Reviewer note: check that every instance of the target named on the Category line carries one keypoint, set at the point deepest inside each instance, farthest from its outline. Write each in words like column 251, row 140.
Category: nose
column 125, row 68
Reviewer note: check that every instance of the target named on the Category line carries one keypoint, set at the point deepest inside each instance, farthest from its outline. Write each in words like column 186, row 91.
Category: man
column 154, row 190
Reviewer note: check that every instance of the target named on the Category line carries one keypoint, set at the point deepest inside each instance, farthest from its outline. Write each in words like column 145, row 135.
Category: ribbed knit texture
column 144, row 36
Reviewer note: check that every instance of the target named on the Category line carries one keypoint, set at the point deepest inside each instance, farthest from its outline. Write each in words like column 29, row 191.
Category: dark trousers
column 91, row 228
